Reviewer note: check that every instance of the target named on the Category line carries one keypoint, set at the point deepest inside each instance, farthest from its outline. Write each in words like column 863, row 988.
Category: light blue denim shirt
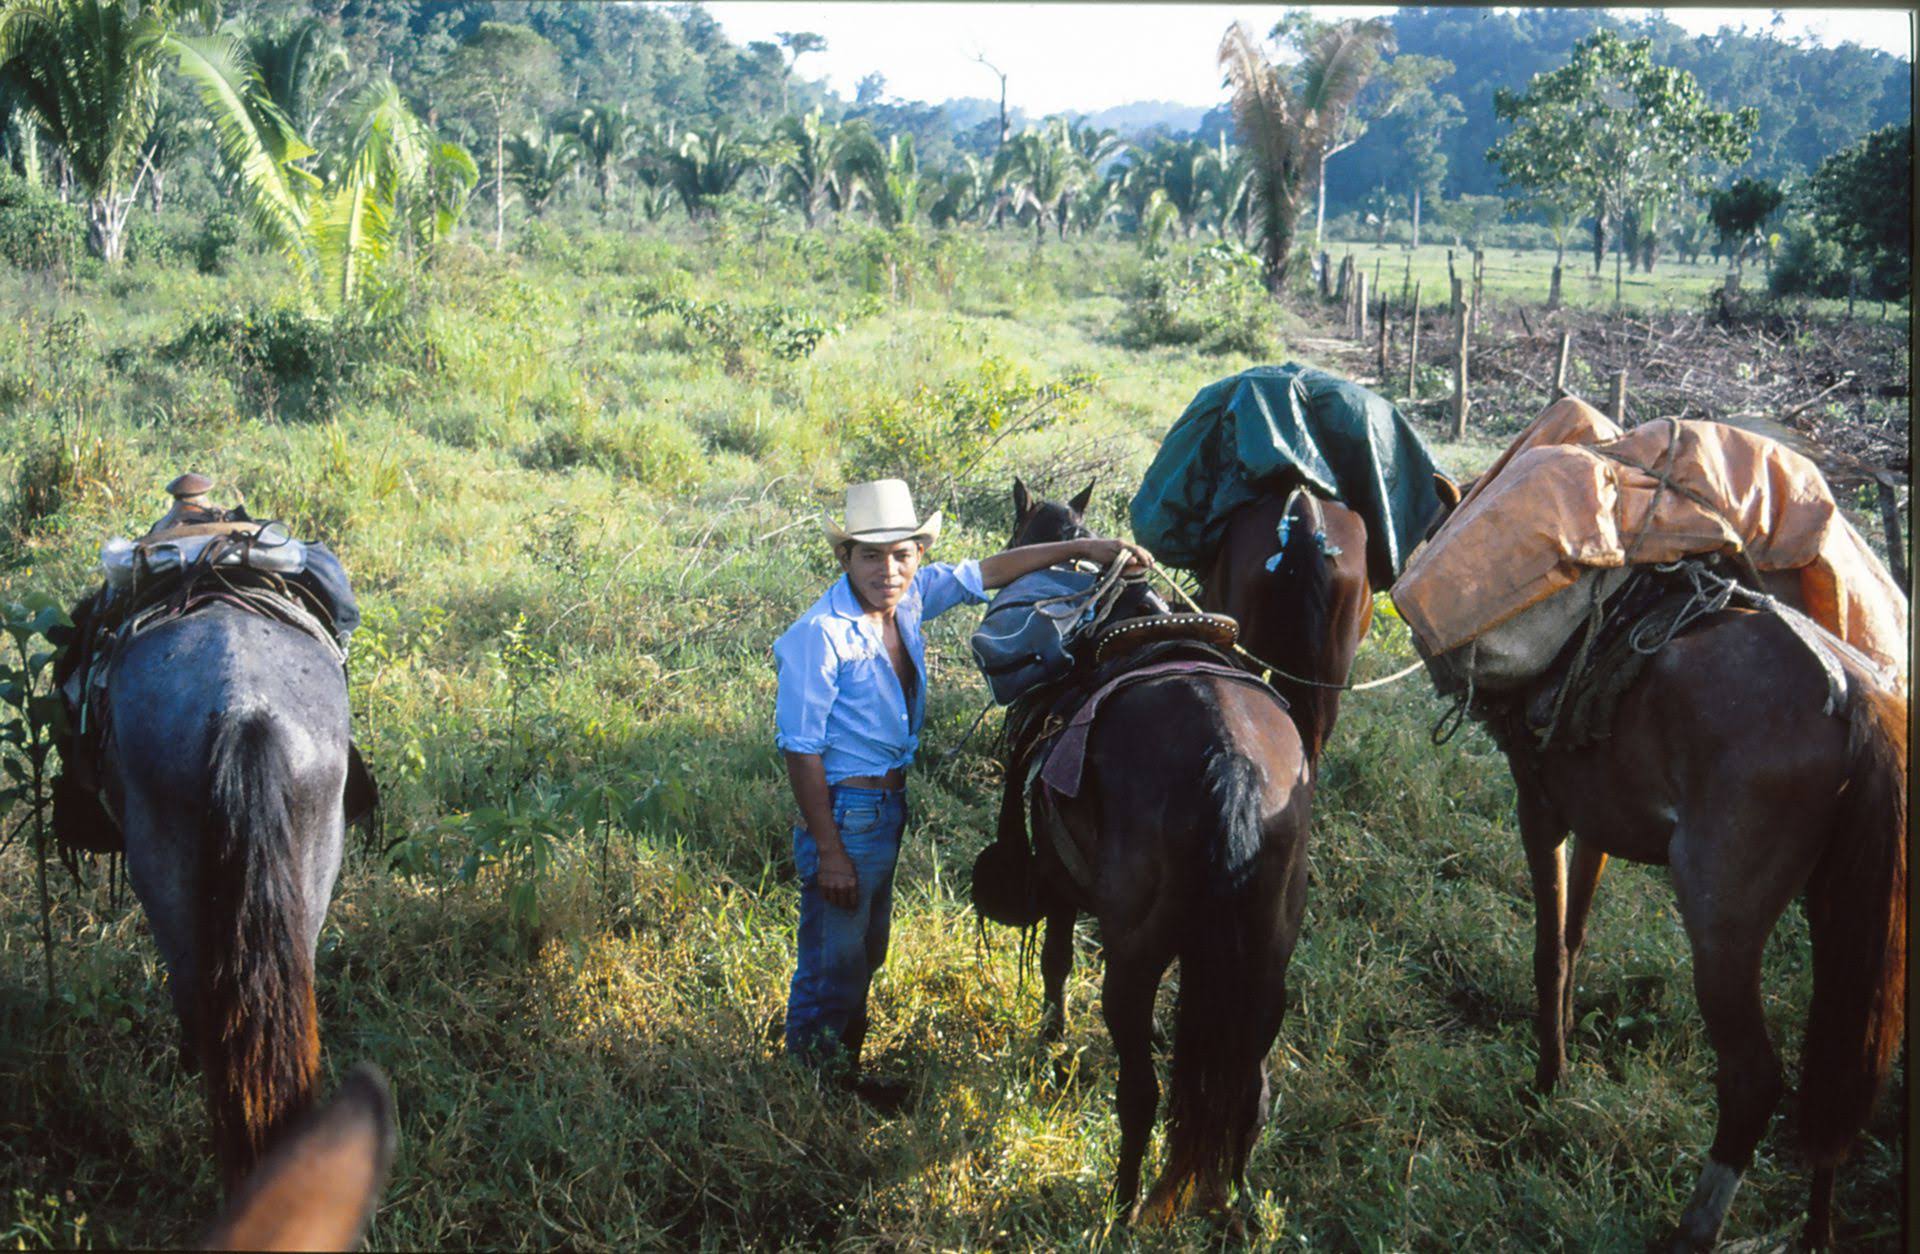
column 839, row 695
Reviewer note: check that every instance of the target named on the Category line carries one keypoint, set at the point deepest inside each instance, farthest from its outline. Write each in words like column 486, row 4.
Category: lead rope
column 1382, row 682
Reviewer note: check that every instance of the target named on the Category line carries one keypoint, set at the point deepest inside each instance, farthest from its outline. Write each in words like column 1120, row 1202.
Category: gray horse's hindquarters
column 169, row 696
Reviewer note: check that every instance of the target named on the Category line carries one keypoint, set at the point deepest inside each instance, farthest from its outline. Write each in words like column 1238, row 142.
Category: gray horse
column 226, row 762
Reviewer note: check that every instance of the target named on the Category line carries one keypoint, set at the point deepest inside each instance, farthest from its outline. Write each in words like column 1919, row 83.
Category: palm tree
column 1290, row 116
column 890, row 179
column 88, row 74
column 1183, row 169
column 299, row 60
column 1042, row 170
column 539, row 161
column 394, row 185
column 963, row 192
column 701, row 167
column 817, row 159
column 603, row 138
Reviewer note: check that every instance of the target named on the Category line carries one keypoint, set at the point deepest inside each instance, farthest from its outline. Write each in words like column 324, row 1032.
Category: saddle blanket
column 1574, row 495
column 1067, row 759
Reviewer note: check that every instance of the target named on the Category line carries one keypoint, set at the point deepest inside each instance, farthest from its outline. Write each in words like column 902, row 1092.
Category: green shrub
column 739, row 332
column 1212, row 299
column 37, row 232
column 292, row 363
column 214, row 242
column 940, row 438
column 659, row 453
column 60, row 468
column 1810, row 264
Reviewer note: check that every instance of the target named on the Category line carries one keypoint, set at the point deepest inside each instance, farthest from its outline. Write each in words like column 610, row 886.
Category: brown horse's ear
column 316, row 1189
column 1022, row 500
column 1448, row 491
column 1079, row 503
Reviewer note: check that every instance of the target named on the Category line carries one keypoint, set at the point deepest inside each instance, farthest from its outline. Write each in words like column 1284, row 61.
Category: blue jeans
column 840, row 949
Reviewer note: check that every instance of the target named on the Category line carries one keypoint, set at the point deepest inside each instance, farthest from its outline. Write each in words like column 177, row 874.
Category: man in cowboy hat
column 851, row 700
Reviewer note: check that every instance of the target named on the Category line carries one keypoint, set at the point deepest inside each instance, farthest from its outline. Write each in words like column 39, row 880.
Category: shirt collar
column 843, row 604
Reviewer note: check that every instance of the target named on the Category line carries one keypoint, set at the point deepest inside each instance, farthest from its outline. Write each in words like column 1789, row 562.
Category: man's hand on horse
column 1104, row 551
column 839, row 882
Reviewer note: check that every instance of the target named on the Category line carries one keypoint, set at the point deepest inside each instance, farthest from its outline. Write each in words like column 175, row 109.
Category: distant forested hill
column 1812, row 101
column 677, row 64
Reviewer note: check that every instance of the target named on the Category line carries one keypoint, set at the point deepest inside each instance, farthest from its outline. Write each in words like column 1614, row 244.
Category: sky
column 1093, row 56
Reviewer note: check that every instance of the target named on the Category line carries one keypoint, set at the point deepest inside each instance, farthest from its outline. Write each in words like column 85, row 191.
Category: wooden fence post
column 1357, row 324
column 1460, row 401
column 1479, row 272
column 1560, row 370
column 1617, row 403
column 1376, row 289
column 1890, row 520
column 1326, row 276
column 1382, row 371
column 1413, row 345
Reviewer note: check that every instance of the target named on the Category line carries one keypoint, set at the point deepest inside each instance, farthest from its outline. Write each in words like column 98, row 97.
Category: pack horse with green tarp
column 1262, row 429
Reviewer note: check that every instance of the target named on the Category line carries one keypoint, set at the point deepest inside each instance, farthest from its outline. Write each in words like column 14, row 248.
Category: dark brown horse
column 1722, row 766
column 1193, row 815
column 1304, row 618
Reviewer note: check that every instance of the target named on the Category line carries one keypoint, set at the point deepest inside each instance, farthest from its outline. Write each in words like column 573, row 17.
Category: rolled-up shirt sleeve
column 809, row 680
column 943, row 586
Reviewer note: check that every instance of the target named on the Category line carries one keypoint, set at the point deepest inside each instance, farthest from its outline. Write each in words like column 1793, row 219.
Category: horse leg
column 1056, row 962
column 1727, row 945
column 1126, row 1002
column 1582, row 881
column 1544, row 836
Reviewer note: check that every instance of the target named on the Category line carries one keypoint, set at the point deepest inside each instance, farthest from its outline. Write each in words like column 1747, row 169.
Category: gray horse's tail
column 259, row 1041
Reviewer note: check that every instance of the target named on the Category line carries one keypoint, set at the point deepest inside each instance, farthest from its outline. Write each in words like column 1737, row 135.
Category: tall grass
column 576, row 527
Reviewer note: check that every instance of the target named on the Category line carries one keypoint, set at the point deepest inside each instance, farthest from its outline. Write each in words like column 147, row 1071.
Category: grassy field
column 1515, row 275
column 576, row 527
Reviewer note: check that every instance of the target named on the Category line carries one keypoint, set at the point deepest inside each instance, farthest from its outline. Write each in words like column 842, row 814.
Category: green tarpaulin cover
column 1240, row 435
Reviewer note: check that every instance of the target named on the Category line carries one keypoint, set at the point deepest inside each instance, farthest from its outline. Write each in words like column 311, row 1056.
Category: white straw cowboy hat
column 881, row 512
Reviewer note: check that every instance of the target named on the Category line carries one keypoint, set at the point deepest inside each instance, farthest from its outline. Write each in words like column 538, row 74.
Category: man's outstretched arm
column 1009, row 564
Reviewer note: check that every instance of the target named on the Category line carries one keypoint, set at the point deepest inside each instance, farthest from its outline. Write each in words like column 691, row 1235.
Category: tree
column 602, row 136
column 539, row 161
column 1416, row 133
column 303, row 68
column 1360, row 52
column 1737, row 211
column 818, row 157
column 393, row 186
column 87, row 72
column 703, row 166
column 1862, row 200
column 1041, row 169
column 798, row 43
column 1289, row 117
column 503, row 72
column 1614, row 129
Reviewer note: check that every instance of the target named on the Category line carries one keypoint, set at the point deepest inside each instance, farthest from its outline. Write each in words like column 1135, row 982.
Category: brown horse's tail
column 1213, row 1110
column 1857, row 913
column 1303, row 581
column 259, row 1044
